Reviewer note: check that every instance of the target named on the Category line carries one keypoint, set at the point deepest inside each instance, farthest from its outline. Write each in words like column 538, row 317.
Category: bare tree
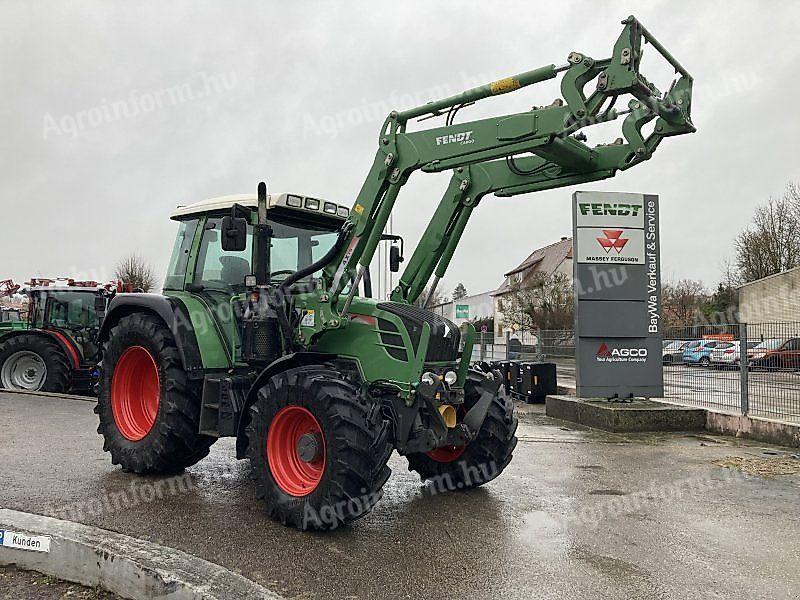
column 542, row 302
column 133, row 271
column 683, row 302
column 439, row 297
column 772, row 242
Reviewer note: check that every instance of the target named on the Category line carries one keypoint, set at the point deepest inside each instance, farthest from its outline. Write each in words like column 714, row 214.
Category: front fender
column 290, row 361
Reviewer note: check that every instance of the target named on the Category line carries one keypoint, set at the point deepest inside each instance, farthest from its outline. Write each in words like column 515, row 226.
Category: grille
column 445, row 336
column 394, row 339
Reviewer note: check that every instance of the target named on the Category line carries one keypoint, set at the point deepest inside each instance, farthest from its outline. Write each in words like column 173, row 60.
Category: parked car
column 672, row 351
column 698, row 352
column 775, row 354
column 728, row 354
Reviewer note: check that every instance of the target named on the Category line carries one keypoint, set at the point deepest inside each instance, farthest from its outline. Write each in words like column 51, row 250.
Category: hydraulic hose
column 322, row 262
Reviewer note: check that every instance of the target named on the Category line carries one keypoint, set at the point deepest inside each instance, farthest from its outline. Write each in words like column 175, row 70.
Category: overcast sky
column 100, row 138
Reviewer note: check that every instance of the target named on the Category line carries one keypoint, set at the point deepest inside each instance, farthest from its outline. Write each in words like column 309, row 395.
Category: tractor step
column 222, row 403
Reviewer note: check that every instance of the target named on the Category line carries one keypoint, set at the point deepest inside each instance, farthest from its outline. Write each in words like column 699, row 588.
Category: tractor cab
column 71, row 308
column 303, row 229
column 203, row 267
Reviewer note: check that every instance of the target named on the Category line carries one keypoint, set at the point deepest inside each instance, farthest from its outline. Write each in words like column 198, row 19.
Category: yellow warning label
column 504, row 85
column 358, row 208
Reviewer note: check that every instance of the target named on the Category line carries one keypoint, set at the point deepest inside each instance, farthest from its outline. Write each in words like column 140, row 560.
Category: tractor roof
column 293, row 202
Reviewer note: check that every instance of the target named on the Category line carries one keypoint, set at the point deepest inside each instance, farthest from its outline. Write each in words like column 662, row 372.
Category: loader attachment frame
column 506, row 155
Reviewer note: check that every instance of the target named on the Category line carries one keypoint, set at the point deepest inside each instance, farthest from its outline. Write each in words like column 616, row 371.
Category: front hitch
column 466, row 431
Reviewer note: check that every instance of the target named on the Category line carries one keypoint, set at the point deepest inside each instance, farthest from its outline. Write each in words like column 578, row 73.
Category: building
column 470, row 308
column 771, row 299
column 555, row 258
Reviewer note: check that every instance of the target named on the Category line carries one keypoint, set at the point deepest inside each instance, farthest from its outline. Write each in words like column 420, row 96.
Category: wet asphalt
column 578, row 514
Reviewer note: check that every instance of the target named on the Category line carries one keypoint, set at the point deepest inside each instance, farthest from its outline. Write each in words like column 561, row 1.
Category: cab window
column 217, row 269
column 176, row 272
column 72, row 309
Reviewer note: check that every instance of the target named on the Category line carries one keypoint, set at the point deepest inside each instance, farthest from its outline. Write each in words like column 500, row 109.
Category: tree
column 772, row 242
column 683, row 302
column 439, row 297
column 134, row 271
column 542, row 302
column 460, row 292
column 723, row 305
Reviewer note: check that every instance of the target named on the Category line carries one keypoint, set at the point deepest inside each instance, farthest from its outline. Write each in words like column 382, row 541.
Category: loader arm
column 504, row 177
column 544, row 132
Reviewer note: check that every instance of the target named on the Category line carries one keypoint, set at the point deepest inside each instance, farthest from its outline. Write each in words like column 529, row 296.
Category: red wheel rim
column 294, row 475
column 447, row 454
column 135, row 393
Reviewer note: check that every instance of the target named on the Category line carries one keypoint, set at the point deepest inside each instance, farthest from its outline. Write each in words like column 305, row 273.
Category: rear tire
column 149, row 411
column 34, row 363
column 342, row 477
column 483, row 459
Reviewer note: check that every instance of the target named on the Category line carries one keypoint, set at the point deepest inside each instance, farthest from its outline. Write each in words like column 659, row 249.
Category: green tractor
column 55, row 349
column 267, row 331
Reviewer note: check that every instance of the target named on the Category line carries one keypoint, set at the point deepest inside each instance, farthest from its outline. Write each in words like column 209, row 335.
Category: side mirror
column 234, row 234
column 395, row 258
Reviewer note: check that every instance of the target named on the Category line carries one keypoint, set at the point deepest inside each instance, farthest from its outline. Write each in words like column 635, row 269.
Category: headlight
column 428, row 379
column 450, row 377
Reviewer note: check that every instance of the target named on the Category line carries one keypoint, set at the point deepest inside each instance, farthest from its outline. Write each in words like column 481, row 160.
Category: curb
column 127, row 566
column 625, row 417
column 50, row 395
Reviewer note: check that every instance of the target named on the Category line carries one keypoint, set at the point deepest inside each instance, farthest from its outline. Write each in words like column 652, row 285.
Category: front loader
column 267, row 331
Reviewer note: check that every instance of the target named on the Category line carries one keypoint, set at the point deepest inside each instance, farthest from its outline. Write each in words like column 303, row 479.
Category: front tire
column 484, row 458
column 318, row 449
column 34, row 363
column 149, row 411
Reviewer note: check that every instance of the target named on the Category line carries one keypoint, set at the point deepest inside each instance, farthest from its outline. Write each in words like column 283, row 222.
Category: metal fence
column 737, row 368
column 740, row 368
column 525, row 345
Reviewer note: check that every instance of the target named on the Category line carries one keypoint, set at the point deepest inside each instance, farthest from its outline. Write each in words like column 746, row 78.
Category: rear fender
column 174, row 315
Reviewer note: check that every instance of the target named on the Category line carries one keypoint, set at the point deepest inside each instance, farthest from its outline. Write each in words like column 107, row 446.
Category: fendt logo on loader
column 465, row 137
column 606, row 354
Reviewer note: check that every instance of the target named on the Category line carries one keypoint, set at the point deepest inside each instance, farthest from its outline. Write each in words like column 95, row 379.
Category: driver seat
column 234, row 269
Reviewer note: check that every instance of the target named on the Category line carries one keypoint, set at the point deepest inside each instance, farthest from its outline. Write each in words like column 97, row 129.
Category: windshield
column 296, row 247
column 770, row 344
column 293, row 247
column 70, row 310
